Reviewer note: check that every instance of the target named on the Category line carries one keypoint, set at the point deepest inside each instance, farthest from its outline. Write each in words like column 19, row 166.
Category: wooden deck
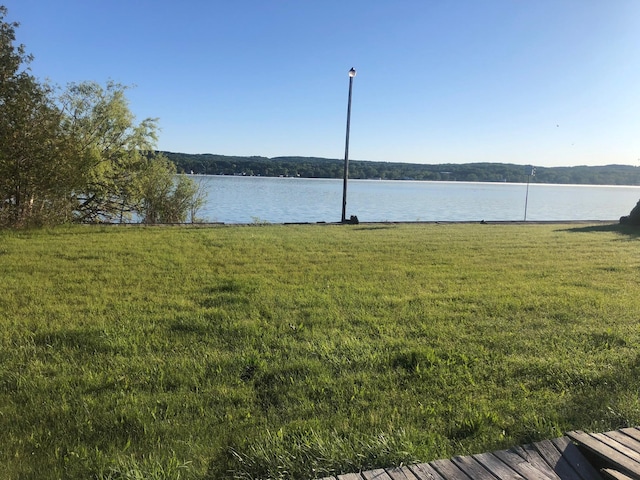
column 576, row 456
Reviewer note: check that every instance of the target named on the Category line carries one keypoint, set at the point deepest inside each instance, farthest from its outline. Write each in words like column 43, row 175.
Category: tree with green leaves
column 165, row 197
column 122, row 173
column 79, row 155
column 35, row 175
column 111, row 150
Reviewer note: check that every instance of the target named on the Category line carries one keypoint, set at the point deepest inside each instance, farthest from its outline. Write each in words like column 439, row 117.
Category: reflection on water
column 280, row 200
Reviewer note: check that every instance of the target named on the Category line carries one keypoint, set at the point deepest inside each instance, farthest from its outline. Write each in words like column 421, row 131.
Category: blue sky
column 543, row 82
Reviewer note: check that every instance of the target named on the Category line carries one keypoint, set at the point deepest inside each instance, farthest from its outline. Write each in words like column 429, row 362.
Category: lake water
column 235, row 199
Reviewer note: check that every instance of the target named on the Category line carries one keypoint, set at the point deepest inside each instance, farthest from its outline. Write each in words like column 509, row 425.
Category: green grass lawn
column 273, row 351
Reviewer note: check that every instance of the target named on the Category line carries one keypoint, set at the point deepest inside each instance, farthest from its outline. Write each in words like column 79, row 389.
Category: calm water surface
column 279, row 200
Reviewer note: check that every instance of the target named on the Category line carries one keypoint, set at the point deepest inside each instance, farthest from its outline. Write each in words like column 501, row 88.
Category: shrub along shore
column 295, row 351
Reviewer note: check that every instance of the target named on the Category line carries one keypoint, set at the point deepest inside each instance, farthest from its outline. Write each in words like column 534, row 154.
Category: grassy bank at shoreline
column 296, row 351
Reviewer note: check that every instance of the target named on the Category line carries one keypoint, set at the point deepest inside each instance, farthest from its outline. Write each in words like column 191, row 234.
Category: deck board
column 497, row 467
column 424, row 471
column 556, row 461
column 473, row 468
column 607, row 453
column 449, row 470
column 631, row 432
column 564, row 458
column 612, row 474
column 379, row 474
column 532, row 455
column 629, row 443
column 350, row 476
column 401, row 473
column 623, row 449
column 575, row 458
column 524, row 467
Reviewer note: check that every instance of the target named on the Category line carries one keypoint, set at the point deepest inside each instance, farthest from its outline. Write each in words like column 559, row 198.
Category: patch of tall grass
column 272, row 351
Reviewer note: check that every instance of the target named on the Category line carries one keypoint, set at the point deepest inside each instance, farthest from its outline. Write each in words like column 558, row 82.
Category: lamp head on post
column 352, row 72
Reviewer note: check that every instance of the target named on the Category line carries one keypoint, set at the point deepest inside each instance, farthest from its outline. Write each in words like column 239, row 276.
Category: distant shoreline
column 315, row 167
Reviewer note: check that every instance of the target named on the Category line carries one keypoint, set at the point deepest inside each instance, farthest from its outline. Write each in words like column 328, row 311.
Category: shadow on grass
column 375, row 227
column 89, row 342
column 628, row 230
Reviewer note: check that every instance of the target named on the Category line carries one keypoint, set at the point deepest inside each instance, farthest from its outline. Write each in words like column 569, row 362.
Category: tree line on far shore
column 314, row 167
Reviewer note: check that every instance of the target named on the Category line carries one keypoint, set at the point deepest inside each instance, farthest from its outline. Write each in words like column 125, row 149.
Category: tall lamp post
column 531, row 172
column 352, row 73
